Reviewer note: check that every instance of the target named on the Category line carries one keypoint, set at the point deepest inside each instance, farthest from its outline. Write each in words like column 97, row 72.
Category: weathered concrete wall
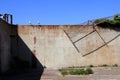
column 57, row 46
column 65, row 46
column 4, row 46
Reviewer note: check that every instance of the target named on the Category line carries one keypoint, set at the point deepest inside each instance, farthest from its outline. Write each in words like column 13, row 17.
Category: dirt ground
column 100, row 73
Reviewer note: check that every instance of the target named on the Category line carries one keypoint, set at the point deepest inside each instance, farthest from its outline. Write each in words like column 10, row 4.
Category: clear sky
column 58, row 11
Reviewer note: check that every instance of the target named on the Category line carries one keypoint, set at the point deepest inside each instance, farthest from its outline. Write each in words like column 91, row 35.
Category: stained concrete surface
column 56, row 47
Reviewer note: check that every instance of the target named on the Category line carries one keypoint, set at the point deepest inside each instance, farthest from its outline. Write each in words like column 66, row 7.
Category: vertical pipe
column 7, row 18
column 11, row 19
column 4, row 17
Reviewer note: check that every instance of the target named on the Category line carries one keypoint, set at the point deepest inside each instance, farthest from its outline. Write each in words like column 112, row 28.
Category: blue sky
column 58, row 11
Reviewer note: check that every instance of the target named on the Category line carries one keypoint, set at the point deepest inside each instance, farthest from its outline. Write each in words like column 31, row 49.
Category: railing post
column 11, row 18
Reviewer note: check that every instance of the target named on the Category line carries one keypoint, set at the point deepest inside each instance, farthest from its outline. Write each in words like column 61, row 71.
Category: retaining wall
column 57, row 46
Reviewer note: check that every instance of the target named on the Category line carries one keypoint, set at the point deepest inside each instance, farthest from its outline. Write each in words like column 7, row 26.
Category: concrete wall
column 4, row 46
column 71, row 45
column 57, row 46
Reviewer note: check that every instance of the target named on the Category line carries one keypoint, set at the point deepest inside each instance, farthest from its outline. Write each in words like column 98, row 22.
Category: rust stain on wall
column 34, row 51
column 34, row 39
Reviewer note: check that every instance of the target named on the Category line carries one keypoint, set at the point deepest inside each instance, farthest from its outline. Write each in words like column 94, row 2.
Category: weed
column 91, row 66
column 115, row 65
column 64, row 72
column 104, row 65
column 89, row 71
column 76, row 71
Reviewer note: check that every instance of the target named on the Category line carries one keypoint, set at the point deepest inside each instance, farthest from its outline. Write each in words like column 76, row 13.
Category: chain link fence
column 91, row 22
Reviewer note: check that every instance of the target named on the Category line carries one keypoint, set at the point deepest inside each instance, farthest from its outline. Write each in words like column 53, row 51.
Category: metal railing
column 91, row 22
column 7, row 17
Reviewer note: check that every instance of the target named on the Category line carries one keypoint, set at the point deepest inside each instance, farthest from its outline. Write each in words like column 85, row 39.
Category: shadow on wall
column 24, row 65
column 116, row 28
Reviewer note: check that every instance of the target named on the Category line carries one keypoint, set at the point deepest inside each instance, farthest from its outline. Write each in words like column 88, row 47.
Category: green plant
column 82, row 71
column 98, row 21
column 76, row 71
column 104, row 65
column 116, row 17
column 107, row 23
column 64, row 72
column 91, row 66
column 89, row 71
column 72, row 67
column 115, row 65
